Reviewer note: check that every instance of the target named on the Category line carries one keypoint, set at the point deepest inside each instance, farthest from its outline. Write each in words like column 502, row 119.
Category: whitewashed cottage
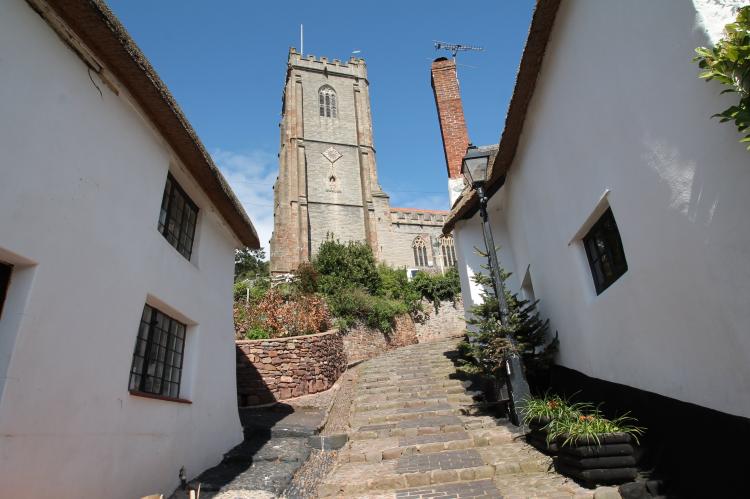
column 623, row 206
column 117, row 233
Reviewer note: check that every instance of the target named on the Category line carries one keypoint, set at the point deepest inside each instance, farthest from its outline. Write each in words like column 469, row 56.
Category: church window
column 448, row 248
column 327, row 102
column 420, row 252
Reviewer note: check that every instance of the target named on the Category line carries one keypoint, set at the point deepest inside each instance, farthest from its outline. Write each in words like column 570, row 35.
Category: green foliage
column 549, row 407
column 257, row 287
column 354, row 305
column 395, row 285
column 307, row 278
column 489, row 342
column 590, row 427
column 257, row 333
column 250, row 263
column 438, row 287
column 729, row 64
column 345, row 265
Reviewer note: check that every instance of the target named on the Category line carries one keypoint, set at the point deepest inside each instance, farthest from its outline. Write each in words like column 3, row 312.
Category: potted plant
column 539, row 412
column 595, row 449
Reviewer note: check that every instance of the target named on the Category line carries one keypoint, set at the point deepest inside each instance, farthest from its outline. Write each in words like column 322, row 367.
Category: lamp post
column 474, row 169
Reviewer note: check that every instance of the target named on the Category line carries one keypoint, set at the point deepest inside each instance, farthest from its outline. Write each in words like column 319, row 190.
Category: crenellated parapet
column 354, row 67
column 416, row 216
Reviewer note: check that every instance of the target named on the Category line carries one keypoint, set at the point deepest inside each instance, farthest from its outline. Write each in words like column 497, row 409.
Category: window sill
column 159, row 397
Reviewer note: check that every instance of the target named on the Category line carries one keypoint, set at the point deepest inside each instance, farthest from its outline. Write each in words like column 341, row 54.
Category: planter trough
column 611, row 460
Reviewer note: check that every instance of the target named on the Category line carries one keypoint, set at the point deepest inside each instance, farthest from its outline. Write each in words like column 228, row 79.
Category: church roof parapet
column 354, row 67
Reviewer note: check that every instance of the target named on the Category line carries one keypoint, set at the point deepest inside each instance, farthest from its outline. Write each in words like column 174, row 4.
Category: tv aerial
column 455, row 48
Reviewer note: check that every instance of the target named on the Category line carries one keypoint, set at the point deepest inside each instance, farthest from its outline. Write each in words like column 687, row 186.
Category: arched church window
column 448, row 249
column 327, row 101
column 420, row 252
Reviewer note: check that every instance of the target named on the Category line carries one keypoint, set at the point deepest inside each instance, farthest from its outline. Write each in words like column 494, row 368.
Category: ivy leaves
column 729, row 64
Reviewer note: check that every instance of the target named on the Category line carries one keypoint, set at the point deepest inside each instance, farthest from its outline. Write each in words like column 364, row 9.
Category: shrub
column 356, row 305
column 257, row 287
column 307, row 278
column 549, row 407
column 728, row 62
column 588, row 427
column 280, row 312
column 395, row 285
column 488, row 345
column 345, row 265
column 292, row 315
column 438, row 287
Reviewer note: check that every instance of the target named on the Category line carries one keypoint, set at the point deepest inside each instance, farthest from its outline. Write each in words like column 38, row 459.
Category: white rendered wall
column 619, row 106
column 81, row 182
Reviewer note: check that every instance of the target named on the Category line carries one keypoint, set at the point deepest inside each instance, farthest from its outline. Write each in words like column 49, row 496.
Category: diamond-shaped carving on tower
column 331, row 154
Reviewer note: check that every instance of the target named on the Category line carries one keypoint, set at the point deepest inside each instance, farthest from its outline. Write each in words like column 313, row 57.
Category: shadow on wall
column 251, row 388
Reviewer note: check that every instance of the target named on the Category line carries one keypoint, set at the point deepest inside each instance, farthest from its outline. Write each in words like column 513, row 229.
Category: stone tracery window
column 327, row 101
column 420, row 252
column 448, row 249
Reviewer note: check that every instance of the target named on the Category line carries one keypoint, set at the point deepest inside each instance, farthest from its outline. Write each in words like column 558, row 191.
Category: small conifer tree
column 487, row 345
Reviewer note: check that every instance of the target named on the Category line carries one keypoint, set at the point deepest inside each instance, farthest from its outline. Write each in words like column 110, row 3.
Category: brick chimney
column 452, row 122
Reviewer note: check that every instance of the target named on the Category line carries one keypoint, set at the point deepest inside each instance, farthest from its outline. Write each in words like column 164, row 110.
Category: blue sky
column 225, row 63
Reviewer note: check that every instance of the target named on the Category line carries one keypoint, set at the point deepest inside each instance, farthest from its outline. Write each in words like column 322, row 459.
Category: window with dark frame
column 177, row 217
column 5, row 271
column 604, row 252
column 158, row 355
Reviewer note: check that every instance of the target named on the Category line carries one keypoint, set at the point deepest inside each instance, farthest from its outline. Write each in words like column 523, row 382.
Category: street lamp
column 474, row 169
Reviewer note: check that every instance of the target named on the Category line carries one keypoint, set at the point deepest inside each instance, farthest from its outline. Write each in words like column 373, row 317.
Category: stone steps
column 408, row 413
column 430, row 384
column 394, row 447
column 449, row 466
column 372, row 398
column 382, row 403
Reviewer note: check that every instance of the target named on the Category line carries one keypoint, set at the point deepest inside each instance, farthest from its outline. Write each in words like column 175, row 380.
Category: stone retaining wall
column 282, row 368
column 362, row 343
column 447, row 322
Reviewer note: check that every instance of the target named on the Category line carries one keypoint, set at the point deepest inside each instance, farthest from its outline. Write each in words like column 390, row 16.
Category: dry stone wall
column 446, row 322
column 282, row 368
column 362, row 343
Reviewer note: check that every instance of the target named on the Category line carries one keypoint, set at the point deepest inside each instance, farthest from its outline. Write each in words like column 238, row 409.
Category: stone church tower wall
column 328, row 182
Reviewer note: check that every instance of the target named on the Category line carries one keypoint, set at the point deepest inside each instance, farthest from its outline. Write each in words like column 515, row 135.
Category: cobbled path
column 414, row 434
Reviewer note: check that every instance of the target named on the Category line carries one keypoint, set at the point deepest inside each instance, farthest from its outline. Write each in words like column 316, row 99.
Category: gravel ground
column 305, row 482
column 310, row 475
column 338, row 416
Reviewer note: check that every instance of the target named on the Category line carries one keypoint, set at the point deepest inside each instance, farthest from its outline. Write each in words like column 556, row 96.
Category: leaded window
column 178, row 217
column 158, row 355
column 604, row 252
column 448, row 249
column 327, row 101
column 420, row 252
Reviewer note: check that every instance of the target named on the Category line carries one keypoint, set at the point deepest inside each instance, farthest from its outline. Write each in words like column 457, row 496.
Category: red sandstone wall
column 282, row 368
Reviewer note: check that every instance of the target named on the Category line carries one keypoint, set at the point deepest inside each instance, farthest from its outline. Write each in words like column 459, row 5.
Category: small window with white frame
column 604, row 251
column 178, row 217
column 158, row 355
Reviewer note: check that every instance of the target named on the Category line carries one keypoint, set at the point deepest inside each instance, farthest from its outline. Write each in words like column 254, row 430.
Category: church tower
column 328, row 182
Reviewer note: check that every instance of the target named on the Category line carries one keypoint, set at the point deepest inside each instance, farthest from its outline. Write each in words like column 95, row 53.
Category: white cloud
column 251, row 176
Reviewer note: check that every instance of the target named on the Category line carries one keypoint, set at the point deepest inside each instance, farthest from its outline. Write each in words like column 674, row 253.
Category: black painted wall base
column 698, row 452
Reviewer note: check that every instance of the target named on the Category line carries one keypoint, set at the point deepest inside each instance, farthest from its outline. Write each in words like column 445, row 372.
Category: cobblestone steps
column 383, row 402
column 412, row 437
